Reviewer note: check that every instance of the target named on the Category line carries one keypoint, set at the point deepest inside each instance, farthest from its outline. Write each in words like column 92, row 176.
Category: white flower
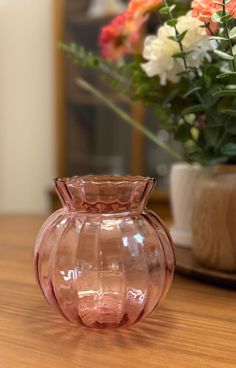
column 159, row 50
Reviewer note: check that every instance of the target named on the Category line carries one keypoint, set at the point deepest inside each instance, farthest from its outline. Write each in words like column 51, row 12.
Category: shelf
column 79, row 113
column 82, row 99
column 76, row 20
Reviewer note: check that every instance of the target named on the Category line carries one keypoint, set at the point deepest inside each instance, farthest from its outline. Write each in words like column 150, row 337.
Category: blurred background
column 48, row 127
column 27, row 108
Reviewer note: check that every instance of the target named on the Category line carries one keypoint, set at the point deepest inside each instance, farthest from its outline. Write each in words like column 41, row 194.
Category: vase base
column 108, row 325
column 182, row 238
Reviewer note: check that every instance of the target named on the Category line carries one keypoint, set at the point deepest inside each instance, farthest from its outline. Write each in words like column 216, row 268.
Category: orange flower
column 204, row 9
column 120, row 36
column 142, row 7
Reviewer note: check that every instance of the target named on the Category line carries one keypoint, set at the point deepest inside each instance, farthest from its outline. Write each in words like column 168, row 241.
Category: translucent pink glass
column 104, row 260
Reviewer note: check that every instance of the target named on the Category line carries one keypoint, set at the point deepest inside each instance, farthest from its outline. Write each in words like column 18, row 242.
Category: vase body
column 214, row 219
column 103, row 260
column 183, row 180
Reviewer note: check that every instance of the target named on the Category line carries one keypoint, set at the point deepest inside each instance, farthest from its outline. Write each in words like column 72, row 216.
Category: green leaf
column 165, row 10
column 229, row 149
column 231, row 126
column 229, row 112
column 115, row 83
column 207, row 80
column 225, row 2
column 172, row 22
column 169, row 98
column 194, row 133
column 182, row 35
column 232, row 33
column 183, row 73
column 221, row 3
column 221, row 17
column 223, row 55
column 218, row 3
column 172, row 7
column 173, row 38
column 191, row 91
column 211, row 136
column 226, row 18
column 218, row 38
column 183, row 133
column 180, row 55
column 234, row 50
column 226, row 75
column 210, row 100
column 217, row 16
column 217, row 161
column 194, row 108
column 225, row 93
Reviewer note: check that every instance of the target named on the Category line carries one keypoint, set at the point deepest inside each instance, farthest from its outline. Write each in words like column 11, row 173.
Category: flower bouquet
column 185, row 72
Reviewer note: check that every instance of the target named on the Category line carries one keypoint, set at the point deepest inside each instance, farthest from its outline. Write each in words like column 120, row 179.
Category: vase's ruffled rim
column 105, row 179
column 104, row 193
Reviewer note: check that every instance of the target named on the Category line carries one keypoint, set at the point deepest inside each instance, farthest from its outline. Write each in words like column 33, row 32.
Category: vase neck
column 104, row 194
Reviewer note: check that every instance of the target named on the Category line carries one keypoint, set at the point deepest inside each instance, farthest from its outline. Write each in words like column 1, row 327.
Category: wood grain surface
column 188, row 265
column 214, row 219
column 194, row 327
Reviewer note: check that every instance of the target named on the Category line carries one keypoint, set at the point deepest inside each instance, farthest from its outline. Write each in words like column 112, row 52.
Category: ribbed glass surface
column 103, row 261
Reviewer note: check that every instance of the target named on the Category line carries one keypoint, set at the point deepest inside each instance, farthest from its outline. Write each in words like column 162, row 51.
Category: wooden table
column 194, row 327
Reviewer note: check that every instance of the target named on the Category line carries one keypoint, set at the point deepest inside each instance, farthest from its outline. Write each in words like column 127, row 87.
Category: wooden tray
column 187, row 265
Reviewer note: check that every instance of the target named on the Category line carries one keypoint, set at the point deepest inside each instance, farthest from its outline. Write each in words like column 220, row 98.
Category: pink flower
column 142, row 7
column 204, row 9
column 120, row 36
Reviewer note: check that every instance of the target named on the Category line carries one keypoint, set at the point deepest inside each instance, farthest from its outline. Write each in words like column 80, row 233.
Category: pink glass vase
column 104, row 260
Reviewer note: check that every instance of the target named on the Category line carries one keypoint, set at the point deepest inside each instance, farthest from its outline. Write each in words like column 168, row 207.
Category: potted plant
column 186, row 73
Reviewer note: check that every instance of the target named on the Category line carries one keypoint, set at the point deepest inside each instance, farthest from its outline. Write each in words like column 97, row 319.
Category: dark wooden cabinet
column 90, row 137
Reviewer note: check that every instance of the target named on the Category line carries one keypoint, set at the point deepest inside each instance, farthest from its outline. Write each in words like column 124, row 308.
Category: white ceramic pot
column 183, row 179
